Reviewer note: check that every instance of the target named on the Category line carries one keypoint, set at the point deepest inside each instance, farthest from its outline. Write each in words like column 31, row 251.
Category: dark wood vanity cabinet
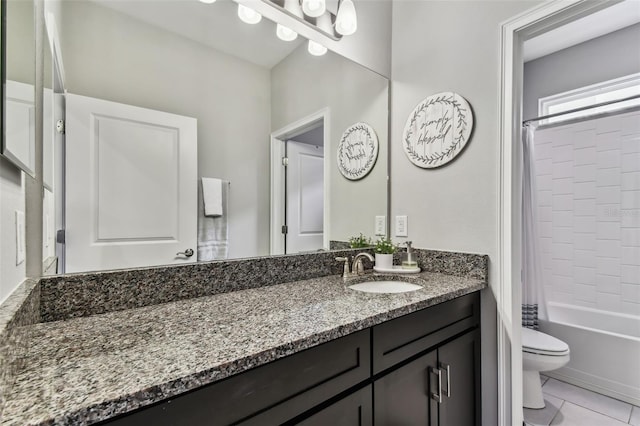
column 421, row 368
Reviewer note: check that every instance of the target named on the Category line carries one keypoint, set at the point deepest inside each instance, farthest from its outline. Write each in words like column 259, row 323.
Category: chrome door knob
column 187, row 253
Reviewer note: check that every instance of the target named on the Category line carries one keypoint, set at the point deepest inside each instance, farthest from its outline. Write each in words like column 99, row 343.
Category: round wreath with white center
column 437, row 130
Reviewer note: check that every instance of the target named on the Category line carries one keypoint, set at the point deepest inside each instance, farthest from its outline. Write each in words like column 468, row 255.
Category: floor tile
column 587, row 399
column 544, row 416
column 635, row 416
column 574, row 415
column 543, row 379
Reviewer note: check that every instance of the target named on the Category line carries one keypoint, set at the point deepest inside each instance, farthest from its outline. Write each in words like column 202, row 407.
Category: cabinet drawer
column 399, row 339
column 304, row 380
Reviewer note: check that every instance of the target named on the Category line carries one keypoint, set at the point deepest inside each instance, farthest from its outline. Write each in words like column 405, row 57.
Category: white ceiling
column 611, row 19
column 216, row 25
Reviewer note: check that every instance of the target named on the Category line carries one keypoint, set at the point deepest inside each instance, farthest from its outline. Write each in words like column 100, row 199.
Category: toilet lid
column 536, row 342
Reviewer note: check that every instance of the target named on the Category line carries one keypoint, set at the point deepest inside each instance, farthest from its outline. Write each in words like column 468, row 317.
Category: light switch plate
column 20, row 249
column 402, row 226
column 381, row 225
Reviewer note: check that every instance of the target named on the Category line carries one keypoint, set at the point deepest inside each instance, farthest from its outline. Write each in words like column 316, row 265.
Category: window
column 619, row 88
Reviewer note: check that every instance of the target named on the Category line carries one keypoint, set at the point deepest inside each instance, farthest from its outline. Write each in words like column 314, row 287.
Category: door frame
column 513, row 33
column 278, row 190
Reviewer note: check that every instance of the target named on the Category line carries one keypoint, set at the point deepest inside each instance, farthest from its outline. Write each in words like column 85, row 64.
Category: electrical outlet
column 20, row 250
column 401, row 226
column 381, row 225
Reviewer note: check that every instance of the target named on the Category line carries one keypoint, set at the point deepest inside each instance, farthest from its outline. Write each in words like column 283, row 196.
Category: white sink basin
column 385, row 287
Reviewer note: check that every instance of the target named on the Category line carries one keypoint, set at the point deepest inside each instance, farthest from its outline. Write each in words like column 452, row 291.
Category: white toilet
column 540, row 352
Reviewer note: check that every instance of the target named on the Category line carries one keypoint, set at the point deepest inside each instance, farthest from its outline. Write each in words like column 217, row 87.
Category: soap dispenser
column 409, row 260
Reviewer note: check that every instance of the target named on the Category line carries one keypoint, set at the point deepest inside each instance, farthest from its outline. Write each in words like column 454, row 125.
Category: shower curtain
column 533, row 303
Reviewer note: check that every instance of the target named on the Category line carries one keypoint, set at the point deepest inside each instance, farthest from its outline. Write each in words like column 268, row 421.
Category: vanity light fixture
column 285, row 33
column 316, row 49
column 314, row 8
column 248, row 15
column 346, row 20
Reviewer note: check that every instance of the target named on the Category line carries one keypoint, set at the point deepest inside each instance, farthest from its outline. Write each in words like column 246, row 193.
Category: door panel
column 131, row 182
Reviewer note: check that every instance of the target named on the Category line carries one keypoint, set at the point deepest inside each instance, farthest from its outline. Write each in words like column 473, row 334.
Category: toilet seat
column 536, row 342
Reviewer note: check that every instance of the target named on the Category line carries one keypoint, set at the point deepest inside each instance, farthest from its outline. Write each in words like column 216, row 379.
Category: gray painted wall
column 604, row 58
column 110, row 56
column 303, row 84
column 452, row 46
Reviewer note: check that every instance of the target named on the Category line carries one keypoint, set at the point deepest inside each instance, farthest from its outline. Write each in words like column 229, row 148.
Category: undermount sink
column 385, row 287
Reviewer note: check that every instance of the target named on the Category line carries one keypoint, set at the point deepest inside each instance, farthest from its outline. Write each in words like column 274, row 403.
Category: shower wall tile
column 589, row 197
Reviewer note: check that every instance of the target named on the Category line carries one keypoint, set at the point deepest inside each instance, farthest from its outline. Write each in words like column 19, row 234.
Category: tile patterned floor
column 569, row 405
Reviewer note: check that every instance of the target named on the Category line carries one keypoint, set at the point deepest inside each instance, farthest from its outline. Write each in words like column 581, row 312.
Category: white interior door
column 131, row 186
column 305, row 197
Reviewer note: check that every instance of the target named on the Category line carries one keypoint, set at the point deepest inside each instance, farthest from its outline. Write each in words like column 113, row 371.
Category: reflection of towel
column 212, row 231
column 212, row 193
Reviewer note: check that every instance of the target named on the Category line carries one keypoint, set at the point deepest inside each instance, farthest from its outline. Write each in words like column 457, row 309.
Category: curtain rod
column 544, row 117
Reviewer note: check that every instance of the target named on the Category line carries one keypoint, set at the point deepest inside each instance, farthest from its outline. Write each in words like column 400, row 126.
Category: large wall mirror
column 18, row 91
column 177, row 116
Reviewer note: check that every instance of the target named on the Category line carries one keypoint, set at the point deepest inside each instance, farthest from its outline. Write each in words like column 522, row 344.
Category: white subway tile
column 608, row 284
column 584, row 207
column 608, row 159
column 608, row 195
column 608, row 230
column 584, row 224
column 630, row 218
column 543, row 151
column 562, row 186
column 630, row 144
column 609, row 248
column 630, row 123
column 563, row 218
column 545, row 197
column 584, row 139
column 584, row 258
column 562, row 235
column 584, row 173
column 630, row 200
column 544, row 182
column 630, row 181
column 545, row 229
column 546, row 244
column 546, row 262
column 631, row 309
column 608, row 302
column 562, row 251
column 562, row 268
column 631, row 162
column 630, row 237
column 608, row 266
column 630, row 293
column 630, row 274
column 545, row 214
column 562, row 136
column 584, row 156
column 631, row 256
column 562, row 297
column 544, row 167
column 585, row 293
column 585, row 276
column 562, row 154
column 583, row 190
column 608, row 212
column 563, row 284
column 585, row 241
column 562, row 170
column 608, row 141
column 562, row 202
column 609, row 177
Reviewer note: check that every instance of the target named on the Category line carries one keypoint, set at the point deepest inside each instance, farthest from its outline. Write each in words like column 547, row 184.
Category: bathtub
column 605, row 349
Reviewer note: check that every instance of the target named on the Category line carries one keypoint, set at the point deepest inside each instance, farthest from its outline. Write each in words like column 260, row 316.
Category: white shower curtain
column 533, row 302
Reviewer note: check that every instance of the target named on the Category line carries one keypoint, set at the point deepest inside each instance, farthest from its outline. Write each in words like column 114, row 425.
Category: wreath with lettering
column 357, row 151
column 437, row 130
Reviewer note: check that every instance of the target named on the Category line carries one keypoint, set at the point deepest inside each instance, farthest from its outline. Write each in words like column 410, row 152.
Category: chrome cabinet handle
column 437, row 396
column 187, row 253
column 446, row 367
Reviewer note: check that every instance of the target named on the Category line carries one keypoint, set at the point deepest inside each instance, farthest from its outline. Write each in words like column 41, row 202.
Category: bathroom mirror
column 18, row 76
column 143, row 78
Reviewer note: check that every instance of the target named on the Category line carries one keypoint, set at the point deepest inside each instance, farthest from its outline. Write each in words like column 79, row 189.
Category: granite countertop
column 84, row 370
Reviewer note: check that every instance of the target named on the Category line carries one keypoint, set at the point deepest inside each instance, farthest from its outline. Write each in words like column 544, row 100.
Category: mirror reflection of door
column 305, row 192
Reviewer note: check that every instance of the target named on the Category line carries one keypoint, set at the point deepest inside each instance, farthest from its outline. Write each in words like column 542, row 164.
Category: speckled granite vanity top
column 88, row 369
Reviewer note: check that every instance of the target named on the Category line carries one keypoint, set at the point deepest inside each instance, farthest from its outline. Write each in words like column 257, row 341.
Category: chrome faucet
column 345, row 271
column 358, row 268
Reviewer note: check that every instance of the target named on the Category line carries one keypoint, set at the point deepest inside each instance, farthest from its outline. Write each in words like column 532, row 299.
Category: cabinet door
column 402, row 397
column 459, row 362
column 353, row 410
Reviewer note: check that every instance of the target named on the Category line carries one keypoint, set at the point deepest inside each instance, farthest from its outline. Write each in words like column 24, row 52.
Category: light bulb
column 324, row 23
column 346, row 20
column 208, row 1
column 314, row 8
column 285, row 33
column 316, row 49
column 293, row 6
column 248, row 15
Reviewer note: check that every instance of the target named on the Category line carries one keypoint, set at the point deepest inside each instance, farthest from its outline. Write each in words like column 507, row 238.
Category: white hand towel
column 212, row 196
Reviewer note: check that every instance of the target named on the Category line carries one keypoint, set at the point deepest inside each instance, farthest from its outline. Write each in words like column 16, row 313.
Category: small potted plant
column 360, row 242
column 384, row 253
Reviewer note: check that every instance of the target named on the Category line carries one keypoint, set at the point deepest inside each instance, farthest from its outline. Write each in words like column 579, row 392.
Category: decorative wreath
column 358, row 165
column 430, row 118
